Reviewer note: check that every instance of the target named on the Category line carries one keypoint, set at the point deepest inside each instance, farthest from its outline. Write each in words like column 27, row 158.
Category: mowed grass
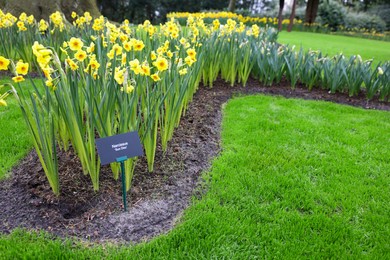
column 334, row 44
column 15, row 140
column 295, row 179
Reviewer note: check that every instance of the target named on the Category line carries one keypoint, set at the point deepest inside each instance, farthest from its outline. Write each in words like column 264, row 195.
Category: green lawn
column 15, row 140
column 334, row 44
column 295, row 179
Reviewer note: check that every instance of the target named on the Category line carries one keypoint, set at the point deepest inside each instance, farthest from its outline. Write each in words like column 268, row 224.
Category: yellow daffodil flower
column 80, row 55
column 21, row 68
column 127, row 89
column 153, row 55
column 192, row 53
column 155, row 77
column 139, row 45
column 17, row 79
column 183, row 71
column 91, row 48
column 127, row 46
column 119, row 75
column 161, row 64
column 75, row 44
column 4, row 63
column 145, row 70
column 73, row 66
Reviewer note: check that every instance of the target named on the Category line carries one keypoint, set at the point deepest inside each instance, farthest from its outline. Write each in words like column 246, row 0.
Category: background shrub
column 332, row 14
column 364, row 20
column 383, row 11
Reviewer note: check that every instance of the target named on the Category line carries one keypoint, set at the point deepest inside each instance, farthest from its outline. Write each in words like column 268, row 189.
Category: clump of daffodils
column 21, row 68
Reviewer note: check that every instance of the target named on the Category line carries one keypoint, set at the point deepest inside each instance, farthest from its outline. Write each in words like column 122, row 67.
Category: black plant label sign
column 119, row 146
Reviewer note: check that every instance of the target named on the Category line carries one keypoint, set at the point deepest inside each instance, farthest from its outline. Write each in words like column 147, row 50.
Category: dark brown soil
column 156, row 199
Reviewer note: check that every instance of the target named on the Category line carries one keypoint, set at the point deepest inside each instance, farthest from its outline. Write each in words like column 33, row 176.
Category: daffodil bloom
column 139, row 45
column 127, row 89
column 152, row 30
column 23, row 17
column 98, row 24
column 161, row 64
column 47, row 71
column 43, row 60
column 17, row 79
column 91, row 48
column 174, row 35
column 138, row 70
column 155, row 77
column 50, row 85
column 123, row 37
column 45, row 52
column 56, row 19
column 183, row 41
column 80, row 55
column 119, row 76
column 3, row 103
column 216, row 24
column 73, row 15
column 153, row 55
column 160, row 50
column 189, row 61
column 30, row 19
column 145, row 70
column 21, row 68
column 123, row 60
column 255, row 30
column 166, row 45
column 115, row 50
column 93, row 64
column 4, row 63
column 127, row 46
column 134, row 63
column 191, row 53
column 88, row 17
column 75, row 44
column 380, row 71
column 73, row 66
column 183, row 71
column 42, row 27
column 21, row 26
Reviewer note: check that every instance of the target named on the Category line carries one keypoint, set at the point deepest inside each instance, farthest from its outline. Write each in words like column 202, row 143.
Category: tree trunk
column 292, row 16
column 280, row 18
column 311, row 11
column 42, row 9
column 232, row 5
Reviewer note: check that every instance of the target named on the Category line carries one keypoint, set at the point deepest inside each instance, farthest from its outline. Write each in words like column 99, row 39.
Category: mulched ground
column 156, row 199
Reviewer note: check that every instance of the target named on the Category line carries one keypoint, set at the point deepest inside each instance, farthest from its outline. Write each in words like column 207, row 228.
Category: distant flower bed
column 299, row 25
column 249, row 20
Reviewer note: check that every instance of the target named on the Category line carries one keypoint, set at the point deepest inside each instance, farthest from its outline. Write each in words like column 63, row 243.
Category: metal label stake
column 122, row 160
column 119, row 148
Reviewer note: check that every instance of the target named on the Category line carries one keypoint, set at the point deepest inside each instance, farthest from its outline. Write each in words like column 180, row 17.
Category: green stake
column 122, row 161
